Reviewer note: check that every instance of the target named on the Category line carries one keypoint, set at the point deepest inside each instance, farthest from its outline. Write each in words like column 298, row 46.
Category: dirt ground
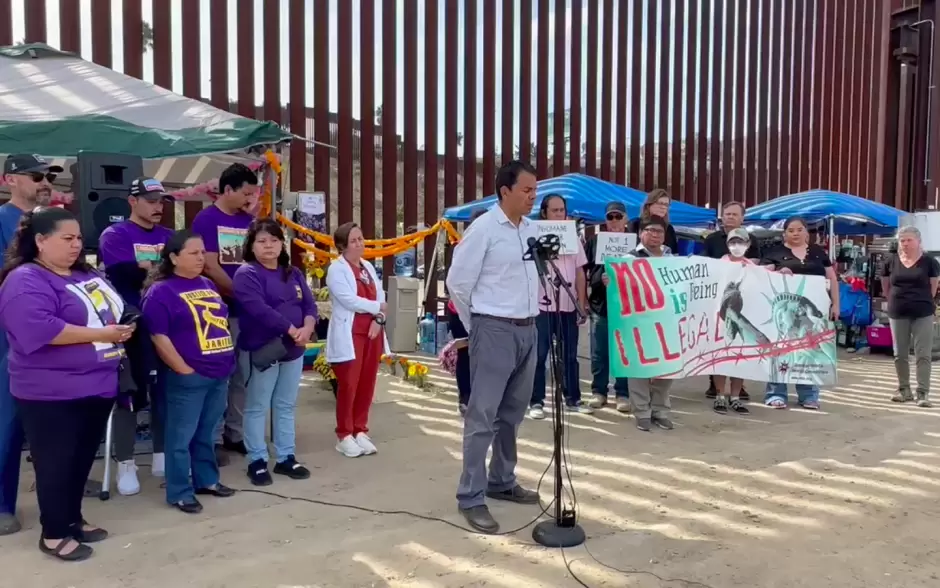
column 845, row 497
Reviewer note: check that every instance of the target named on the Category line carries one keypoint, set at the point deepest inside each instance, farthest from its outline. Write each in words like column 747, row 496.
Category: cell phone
column 130, row 318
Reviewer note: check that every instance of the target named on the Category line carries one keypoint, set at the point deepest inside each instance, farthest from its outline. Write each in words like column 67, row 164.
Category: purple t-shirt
column 270, row 305
column 35, row 306
column 223, row 234
column 128, row 242
column 190, row 312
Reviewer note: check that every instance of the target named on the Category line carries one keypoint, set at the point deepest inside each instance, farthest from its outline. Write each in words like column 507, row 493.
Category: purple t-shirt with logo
column 271, row 305
column 128, row 242
column 190, row 312
column 223, row 234
column 35, row 306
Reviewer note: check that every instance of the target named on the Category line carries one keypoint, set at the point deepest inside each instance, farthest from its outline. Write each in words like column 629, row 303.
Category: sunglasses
column 38, row 176
column 614, row 216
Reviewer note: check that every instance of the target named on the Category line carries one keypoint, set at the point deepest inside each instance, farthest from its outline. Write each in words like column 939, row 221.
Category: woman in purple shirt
column 61, row 318
column 188, row 323
column 279, row 315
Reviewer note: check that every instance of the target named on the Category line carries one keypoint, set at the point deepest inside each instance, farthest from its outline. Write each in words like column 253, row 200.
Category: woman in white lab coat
column 355, row 340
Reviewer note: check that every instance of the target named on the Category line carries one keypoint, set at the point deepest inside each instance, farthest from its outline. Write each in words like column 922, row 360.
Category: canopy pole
column 832, row 238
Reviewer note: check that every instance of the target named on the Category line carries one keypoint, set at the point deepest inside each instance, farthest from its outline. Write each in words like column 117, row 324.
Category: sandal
column 80, row 553
column 777, row 403
column 89, row 535
column 738, row 407
column 810, row 405
column 720, row 406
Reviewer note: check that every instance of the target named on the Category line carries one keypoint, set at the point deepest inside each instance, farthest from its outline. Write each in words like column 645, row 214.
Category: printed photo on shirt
column 104, row 308
column 300, row 293
column 211, row 330
column 231, row 245
column 147, row 252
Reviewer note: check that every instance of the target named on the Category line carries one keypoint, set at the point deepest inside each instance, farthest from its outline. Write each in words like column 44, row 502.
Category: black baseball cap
column 22, row 163
column 149, row 189
column 616, row 207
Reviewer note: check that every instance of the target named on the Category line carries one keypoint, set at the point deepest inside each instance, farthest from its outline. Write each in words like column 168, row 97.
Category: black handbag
column 269, row 354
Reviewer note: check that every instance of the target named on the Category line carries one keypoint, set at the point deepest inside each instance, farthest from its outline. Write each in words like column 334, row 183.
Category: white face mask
column 737, row 249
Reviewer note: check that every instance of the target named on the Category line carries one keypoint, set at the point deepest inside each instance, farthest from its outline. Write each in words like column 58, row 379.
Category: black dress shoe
column 292, row 469
column 192, row 506
column 234, row 446
column 258, row 473
column 480, row 519
column 88, row 536
column 219, row 491
column 516, row 494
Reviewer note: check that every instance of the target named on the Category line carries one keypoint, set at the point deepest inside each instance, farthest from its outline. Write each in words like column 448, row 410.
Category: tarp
column 587, row 198
column 56, row 104
column 853, row 215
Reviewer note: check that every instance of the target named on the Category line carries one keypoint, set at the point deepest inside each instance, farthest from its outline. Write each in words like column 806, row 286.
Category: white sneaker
column 158, row 466
column 363, row 441
column 349, row 447
column 127, row 482
column 536, row 412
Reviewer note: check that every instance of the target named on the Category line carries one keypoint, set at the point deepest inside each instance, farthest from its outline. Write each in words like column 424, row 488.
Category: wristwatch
column 379, row 319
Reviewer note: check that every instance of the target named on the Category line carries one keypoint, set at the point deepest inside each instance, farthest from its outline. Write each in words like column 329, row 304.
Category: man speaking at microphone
column 496, row 295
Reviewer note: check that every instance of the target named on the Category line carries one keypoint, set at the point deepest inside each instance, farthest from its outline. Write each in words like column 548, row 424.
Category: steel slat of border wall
column 469, row 100
column 366, row 74
column 714, row 173
column 762, row 126
column 806, row 98
column 36, row 22
column 509, row 80
column 607, row 83
column 321, row 105
column 865, row 89
column 574, row 145
column 622, row 68
column 410, row 111
column 665, row 19
column 245, row 31
column 133, row 36
column 752, row 130
column 296, row 39
column 344, row 114
column 192, row 80
column 636, row 94
column 649, row 155
column 541, row 93
column 738, row 174
column 727, row 107
column 850, row 105
column 590, row 111
column 162, row 46
column 834, row 95
column 70, row 22
column 6, row 22
column 525, row 80
column 705, row 58
column 558, row 163
column 218, row 57
column 489, row 97
column 820, row 51
column 272, row 75
column 879, row 106
column 680, row 66
column 786, row 97
column 430, row 148
column 691, row 103
column 389, row 125
column 451, row 68
column 774, row 63
column 799, row 91
column 101, row 32
column 843, row 101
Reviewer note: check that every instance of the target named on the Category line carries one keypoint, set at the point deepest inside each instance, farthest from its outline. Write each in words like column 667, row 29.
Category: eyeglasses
column 38, row 176
column 614, row 216
column 654, row 230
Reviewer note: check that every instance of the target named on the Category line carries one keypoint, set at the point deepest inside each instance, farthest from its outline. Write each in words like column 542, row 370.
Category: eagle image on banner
column 674, row 317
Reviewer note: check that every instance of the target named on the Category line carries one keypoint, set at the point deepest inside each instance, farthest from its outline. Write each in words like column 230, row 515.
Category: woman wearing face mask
column 657, row 204
column 738, row 243
column 910, row 282
column 795, row 256
column 281, row 315
column 355, row 340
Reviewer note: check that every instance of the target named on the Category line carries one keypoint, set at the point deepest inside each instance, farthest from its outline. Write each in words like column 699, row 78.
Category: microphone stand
column 563, row 530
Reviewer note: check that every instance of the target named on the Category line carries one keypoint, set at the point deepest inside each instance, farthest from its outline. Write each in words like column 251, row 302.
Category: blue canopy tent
column 587, row 199
column 843, row 214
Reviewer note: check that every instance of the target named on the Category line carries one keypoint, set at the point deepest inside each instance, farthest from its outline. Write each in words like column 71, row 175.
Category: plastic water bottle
column 427, row 329
column 443, row 337
column 405, row 264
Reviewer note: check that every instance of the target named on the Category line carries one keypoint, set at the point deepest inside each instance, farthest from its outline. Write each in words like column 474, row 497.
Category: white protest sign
column 566, row 230
column 613, row 245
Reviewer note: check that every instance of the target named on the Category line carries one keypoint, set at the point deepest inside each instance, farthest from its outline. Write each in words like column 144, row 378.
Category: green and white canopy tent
column 56, row 104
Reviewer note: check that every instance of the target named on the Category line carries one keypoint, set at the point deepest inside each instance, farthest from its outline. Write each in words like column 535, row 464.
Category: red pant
column 356, row 386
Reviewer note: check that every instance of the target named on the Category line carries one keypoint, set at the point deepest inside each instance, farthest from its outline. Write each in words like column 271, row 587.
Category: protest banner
column 613, row 245
column 566, row 230
column 675, row 317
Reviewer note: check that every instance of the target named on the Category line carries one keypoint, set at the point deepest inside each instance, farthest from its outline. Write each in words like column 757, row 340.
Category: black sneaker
column 234, row 446
column 721, row 405
column 663, row 423
column 738, row 407
column 258, row 473
column 290, row 468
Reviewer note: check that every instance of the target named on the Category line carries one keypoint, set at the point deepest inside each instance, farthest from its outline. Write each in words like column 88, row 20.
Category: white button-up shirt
column 487, row 274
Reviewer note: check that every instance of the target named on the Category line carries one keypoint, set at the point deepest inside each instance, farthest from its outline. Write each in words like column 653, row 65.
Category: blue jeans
column 274, row 388
column 804, row 392
column 548, row 326
column 11, row 440
column 600, row 360
column 194, row 406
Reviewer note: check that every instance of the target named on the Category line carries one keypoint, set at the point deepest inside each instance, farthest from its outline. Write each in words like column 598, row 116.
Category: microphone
column 534, row 252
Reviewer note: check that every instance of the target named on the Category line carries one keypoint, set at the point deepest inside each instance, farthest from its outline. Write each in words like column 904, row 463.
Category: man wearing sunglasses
column 616, row 218
column 29, row 179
